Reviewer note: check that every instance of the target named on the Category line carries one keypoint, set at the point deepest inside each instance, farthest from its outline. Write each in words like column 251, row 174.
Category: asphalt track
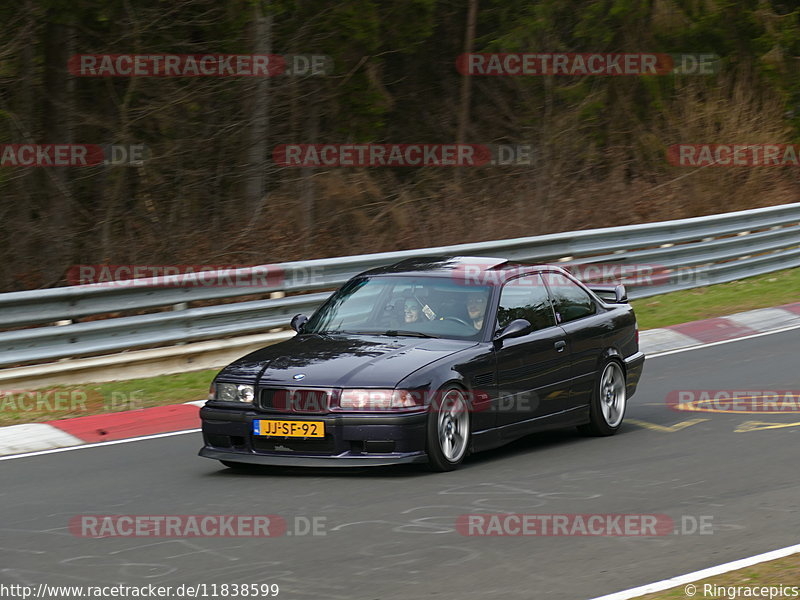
column 389, row 533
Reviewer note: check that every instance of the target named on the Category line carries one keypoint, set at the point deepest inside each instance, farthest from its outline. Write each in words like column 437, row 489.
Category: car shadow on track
column 528, row 445
column 388, row 472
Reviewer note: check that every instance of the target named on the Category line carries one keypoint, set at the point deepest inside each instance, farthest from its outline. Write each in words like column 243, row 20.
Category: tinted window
column 571, row 301
column 525, row 298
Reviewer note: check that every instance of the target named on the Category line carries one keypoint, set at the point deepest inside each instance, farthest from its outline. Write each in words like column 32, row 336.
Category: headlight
column 368, row 400
column 234, row 392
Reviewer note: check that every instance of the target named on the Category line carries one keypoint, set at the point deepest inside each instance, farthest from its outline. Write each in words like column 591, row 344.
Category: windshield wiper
column 392, row 333
column 400, row 332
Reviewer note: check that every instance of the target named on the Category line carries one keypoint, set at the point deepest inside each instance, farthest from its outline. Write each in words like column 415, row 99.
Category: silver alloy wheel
column 612, row 394
column 452, row 426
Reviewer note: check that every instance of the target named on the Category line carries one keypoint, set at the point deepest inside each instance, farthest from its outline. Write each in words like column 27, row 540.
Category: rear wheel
column 609, row 401
column 448, row 430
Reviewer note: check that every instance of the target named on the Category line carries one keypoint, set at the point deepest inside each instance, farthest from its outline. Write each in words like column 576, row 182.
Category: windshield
column 405, row 305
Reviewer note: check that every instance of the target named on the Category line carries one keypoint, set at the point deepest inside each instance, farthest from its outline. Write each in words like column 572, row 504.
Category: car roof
column 481, row 269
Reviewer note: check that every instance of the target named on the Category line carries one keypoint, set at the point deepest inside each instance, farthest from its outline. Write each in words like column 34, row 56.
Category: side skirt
column 493, row 438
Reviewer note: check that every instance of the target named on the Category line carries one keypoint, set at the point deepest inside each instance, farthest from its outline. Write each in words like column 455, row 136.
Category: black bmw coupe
column 428, row 360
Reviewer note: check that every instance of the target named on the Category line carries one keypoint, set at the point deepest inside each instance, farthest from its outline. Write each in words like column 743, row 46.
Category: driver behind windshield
column 476, row 308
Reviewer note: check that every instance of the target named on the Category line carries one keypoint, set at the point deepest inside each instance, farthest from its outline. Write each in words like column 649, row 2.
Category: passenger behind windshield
column 412, row 311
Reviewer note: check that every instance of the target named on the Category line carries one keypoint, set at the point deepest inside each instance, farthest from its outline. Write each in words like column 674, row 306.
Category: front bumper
column 634, row 365
column 350, row 439
column 346, row 460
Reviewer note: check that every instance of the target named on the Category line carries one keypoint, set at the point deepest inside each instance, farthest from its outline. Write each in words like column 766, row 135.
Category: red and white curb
column 78, row 431
column 35, row 437
column 719, row 329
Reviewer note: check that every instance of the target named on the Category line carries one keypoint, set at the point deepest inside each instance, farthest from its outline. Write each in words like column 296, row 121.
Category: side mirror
column 620, row 294
column 516, row 328
column 298, row 321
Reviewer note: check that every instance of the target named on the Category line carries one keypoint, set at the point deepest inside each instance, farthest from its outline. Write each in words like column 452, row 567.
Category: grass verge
column 761, row 291
column 782, row 572
column 65, row 401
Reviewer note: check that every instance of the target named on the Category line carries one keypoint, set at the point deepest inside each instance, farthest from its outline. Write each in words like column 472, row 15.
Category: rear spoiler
column 616, row 294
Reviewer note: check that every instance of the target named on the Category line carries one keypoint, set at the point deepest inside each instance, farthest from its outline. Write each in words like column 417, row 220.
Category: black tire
column 448, row 433
column 606, row 413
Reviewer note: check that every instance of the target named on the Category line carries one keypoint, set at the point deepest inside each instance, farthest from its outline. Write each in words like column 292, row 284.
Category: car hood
column 340, row 360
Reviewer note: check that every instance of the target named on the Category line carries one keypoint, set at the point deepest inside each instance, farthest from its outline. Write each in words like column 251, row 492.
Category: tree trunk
column 59, row 92
column 466, row 81
column 257, row 150
column 308, row 188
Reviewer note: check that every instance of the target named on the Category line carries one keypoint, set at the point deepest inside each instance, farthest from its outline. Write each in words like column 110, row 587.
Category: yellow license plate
column 314, row 429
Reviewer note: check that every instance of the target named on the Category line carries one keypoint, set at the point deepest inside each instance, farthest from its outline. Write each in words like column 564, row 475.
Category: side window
column 526, row 298
column 570, row 300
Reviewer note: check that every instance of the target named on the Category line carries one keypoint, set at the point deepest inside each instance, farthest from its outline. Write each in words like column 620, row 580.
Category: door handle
column 560, row 345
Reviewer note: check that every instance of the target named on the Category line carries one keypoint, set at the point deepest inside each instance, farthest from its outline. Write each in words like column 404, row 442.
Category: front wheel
column 609, row 401
column 448, row 430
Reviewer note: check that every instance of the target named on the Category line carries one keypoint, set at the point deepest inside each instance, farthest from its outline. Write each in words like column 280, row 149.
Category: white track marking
column 96, row 444
column 666, row 584
column 709, row 344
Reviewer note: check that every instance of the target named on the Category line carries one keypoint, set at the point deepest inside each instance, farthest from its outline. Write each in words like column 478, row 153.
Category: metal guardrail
column 689, row 253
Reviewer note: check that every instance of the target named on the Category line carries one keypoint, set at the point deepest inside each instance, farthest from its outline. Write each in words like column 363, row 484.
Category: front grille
column 293, row 400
